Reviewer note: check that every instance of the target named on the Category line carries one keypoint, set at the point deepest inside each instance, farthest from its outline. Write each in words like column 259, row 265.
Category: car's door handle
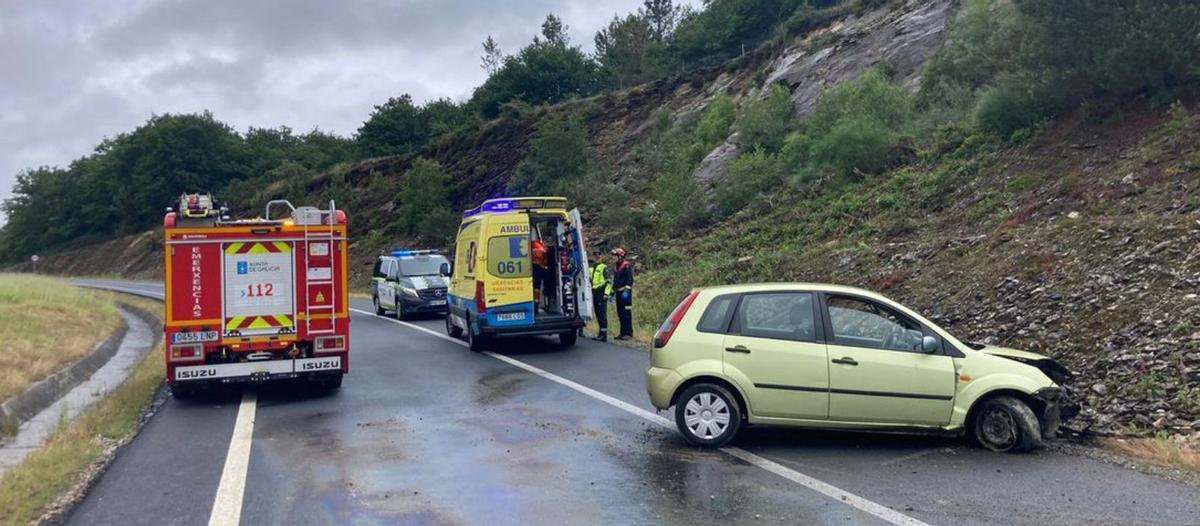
column 739, row 349
column 845, row 360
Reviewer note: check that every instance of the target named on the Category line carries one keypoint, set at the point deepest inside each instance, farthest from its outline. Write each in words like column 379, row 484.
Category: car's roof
column 815, row 287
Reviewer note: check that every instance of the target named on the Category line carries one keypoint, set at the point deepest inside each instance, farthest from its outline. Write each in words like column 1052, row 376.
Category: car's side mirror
column 444, row 269
column 929, row 345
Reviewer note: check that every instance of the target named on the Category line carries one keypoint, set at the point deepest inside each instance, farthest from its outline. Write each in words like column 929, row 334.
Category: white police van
column 410, row 282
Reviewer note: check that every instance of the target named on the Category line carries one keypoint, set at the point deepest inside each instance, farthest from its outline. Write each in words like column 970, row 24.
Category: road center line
column 227, row 506
column 824, row 488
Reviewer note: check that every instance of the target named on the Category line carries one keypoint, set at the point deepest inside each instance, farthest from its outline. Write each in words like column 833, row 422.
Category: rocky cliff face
column 904, row 38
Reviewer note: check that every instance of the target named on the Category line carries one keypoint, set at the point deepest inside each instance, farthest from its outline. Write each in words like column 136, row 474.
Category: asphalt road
column 425, row 432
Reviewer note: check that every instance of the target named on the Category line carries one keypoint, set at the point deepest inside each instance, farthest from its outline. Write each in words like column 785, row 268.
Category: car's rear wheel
column 454, row 331
column 477, row 342
column 708, row 415
column 567, row 339
column 378, row 308
column 1006, row 424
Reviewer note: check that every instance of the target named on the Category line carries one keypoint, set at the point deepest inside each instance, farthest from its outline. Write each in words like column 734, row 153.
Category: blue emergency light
column 498, row 205
column 398, row 253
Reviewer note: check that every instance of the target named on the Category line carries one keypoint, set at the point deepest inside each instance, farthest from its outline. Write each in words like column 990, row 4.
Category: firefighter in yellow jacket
column 602, row 289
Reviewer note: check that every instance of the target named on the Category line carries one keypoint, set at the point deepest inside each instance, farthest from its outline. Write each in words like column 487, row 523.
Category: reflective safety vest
column 600, row 279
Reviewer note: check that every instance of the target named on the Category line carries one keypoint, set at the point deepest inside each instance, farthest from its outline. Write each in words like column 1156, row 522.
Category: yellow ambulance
column 520, row 269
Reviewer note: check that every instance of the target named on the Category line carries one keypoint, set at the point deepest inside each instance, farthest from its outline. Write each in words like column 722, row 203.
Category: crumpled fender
column 972, row 391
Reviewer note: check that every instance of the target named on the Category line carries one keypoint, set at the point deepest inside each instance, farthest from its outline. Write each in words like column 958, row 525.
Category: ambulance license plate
column 194, row 337
column 510, row 316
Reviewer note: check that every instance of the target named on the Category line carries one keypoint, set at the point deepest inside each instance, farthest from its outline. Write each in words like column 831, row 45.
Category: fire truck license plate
column 194, row 337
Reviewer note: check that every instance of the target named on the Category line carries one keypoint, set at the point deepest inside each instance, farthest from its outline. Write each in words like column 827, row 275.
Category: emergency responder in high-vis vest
column 602, row 289
column 623, row 286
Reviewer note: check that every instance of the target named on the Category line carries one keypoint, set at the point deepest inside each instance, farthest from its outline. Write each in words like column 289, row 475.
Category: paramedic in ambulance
column 541, row 269
column 602, row 289
column 623, row 284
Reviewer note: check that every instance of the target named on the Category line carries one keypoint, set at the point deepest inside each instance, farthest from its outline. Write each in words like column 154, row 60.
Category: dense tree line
column 125, row 184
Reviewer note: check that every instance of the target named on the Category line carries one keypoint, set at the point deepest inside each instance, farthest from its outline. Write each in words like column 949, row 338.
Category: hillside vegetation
column 45, row 324
column 1024, row 171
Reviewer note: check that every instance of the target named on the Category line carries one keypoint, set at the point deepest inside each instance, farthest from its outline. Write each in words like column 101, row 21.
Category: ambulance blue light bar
column 497, row 206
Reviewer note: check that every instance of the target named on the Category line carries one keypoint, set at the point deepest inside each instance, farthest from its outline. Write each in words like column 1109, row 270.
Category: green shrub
column 680, row 198
column 872, row 96
column 853, row 147
column 749, row 175
column 764, row 122
column 425, row 207
column 1004, row 110
column 713, row 127
column 558, row 156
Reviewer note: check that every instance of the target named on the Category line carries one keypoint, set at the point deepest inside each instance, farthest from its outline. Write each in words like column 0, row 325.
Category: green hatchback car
column 833, row 357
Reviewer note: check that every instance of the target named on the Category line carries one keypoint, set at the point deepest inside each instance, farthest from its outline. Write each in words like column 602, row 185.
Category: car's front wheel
column 1006, row 424
column 399, row 310
column 378, row 308
column 707, row 415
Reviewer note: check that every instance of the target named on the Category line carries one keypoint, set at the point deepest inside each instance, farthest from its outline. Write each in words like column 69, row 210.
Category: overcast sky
column 75, row 71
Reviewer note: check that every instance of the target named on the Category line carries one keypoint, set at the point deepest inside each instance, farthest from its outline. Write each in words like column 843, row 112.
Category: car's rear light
column 193, row 352
column 480, row 307
column 326, row 344
column 672, row 322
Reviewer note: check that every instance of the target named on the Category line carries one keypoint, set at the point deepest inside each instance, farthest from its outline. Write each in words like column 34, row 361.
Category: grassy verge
column 78, row 450
column 1173, row 452
column 45, row 324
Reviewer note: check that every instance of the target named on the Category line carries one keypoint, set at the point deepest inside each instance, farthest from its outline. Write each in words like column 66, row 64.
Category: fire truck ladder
column 313, row 220
column 317, row 233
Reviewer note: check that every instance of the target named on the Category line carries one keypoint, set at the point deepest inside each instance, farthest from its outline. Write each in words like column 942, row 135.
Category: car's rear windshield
column 422, row 265
column 508, row 257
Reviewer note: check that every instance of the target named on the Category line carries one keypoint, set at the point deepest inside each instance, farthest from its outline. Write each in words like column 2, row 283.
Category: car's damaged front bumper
column 1056, row 409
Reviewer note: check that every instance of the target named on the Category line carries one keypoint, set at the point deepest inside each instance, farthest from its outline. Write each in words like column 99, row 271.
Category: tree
column 558, row 155
column 546, row 71
column 492, row 56
column 623, row 50
column 394, row 128
column 425, row 202
column 662, row 16
column 554, row 31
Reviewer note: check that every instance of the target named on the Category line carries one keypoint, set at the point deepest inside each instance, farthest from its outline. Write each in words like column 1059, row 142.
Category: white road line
column 824, row 488
column 227, row 506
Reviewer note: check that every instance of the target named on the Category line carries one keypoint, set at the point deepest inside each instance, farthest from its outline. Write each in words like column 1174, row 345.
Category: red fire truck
column 256, row 299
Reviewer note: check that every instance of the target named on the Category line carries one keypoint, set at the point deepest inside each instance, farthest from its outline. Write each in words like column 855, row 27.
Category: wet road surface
column 426, row 432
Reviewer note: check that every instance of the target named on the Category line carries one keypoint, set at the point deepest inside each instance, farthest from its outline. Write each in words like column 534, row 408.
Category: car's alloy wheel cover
column 999, row 428
column 706, row 416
